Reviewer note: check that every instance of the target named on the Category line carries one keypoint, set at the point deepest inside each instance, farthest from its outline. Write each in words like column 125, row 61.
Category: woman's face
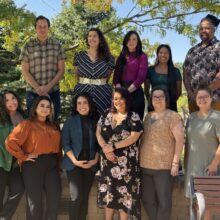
column 163, row 55
column 93, row 39
column 43, row 110
column 82, row 106
column 119, row 102
column 132, row 43
column 203, row 99
column 159, row 100
column 11, row 102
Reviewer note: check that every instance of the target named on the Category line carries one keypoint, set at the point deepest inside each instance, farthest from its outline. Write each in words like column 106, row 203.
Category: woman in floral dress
column 117, row 133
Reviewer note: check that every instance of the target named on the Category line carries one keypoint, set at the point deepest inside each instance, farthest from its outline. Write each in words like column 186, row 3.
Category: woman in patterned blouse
column 94, row 68
column 160, row 150
column 117, row 133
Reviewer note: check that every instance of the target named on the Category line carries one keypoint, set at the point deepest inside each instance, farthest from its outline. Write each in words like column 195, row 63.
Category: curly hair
column 4, row 114
column 126, row 96
column 103, row 49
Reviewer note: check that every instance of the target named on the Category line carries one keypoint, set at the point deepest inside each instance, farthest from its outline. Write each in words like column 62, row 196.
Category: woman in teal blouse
column 165, row 75
column 10, row 115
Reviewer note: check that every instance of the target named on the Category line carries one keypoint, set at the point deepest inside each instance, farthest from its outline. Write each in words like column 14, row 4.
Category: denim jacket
column 72, row 140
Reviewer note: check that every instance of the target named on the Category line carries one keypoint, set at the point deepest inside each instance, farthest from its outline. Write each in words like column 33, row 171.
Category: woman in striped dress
column 94, row 68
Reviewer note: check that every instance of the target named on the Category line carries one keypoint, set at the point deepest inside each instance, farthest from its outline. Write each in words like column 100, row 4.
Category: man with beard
column 202, row 63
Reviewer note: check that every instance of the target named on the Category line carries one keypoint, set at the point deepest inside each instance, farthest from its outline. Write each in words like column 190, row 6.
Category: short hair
column 211, row 18
column 41, row 17
column 167, row 99
column 204, row 88
column 125, row 94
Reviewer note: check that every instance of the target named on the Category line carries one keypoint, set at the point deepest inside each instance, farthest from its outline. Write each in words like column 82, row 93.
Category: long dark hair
column 4, row 113
column 92, row 109
column 126, row 96
column 50, row 118
column 121, row 61
column 172, row 87
column 103, row 49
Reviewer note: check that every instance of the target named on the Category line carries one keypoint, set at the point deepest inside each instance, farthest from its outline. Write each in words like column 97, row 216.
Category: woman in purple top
column 131, row 69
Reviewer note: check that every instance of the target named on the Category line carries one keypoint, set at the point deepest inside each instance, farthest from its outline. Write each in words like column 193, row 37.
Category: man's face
column 206, row 31
column 42, row 29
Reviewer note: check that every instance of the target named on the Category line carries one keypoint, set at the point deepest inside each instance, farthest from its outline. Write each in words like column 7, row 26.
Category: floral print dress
column 119, row 183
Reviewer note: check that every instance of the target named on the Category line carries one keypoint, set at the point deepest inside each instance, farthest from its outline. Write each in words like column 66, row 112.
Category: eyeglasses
column 203, row 97
column 158, row 97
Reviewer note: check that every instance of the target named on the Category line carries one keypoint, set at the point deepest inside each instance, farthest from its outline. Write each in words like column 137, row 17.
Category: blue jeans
column 55, row 97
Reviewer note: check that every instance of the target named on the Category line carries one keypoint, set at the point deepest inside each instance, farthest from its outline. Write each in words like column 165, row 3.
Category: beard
column 205, row 37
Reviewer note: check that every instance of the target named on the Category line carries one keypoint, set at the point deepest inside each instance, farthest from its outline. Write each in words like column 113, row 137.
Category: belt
column 97, row 82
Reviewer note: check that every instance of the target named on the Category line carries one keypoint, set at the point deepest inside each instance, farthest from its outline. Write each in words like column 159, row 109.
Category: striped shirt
column 43, row 60
column 98, row 69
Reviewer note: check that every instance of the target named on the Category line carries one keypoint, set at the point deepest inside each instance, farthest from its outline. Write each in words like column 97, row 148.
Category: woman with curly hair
column 131, row 69
column 35, row 142
column 11, row 114
column 118, row 131
column 80, row 154
column 94, row 67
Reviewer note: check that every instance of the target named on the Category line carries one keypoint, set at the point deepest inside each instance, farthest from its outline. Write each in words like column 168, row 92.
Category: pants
column 156, row 193
column 38, row 176
column 193, row 107
column 80, row 182
column 55, row 97
column 139, row 102
column 15, row 184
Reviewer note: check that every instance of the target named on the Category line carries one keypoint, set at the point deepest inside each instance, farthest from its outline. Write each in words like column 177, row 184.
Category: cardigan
column 72, row 140
column 5, row 156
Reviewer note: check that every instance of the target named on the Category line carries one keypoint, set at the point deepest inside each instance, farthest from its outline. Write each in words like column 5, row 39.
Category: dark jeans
column 139, row 102
column 38, row 176
column 80, row 183
column 12, row 179
column 156, row 193
column 55, row 97
column 137, row 99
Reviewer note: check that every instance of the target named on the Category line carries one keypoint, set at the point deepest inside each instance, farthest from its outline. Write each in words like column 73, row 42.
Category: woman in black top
column 80, row 148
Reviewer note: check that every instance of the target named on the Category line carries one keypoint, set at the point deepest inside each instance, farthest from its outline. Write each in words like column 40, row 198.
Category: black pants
column 38, row 176
column 12, row 179
column 139, row 102
column 80, row 182
column 156, row 193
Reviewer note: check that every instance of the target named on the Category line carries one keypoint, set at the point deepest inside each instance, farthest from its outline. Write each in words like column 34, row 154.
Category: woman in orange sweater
column 36, row 144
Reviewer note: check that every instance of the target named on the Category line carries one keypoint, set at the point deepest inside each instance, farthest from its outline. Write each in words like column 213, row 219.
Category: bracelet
column 113, row 146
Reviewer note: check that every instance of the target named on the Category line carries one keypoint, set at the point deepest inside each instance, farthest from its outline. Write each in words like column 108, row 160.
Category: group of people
column 136, row 159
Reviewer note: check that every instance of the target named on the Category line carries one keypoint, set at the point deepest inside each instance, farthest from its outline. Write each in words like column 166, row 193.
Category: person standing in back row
column 93, row 69
column 202, row 64
column 131, row 69
column 42, row 63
